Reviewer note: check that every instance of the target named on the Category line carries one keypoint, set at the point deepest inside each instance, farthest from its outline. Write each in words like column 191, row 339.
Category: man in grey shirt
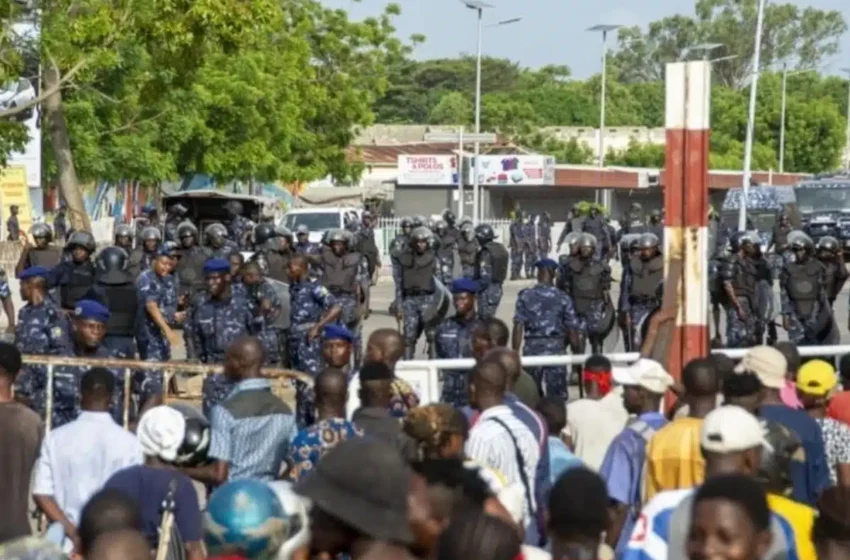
column 373, row 416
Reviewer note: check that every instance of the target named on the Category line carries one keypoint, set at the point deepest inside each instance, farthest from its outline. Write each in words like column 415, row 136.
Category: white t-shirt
column 593, row 425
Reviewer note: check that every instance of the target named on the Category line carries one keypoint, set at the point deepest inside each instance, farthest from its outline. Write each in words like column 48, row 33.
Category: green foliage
column 637, row 155
column 453, row 108
column 569, row 151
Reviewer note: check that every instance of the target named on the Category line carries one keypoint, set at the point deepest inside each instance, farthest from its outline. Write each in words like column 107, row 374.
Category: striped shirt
column 492, row 446
column 251, row 430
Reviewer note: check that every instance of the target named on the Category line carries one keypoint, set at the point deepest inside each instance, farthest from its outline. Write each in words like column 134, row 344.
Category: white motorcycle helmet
column 296, row 507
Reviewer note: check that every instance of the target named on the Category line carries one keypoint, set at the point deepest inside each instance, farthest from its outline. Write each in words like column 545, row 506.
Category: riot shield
column 439, row 307
column 282, row 291
column 765, row 301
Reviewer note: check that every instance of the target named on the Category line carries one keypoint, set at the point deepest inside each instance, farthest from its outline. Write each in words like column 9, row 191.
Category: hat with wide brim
column 365, row 484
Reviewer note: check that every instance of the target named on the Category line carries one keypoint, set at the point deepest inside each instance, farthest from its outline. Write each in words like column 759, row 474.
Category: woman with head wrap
column 161, row 431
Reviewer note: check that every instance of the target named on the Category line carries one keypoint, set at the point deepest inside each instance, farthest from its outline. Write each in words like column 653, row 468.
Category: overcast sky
column 551, row 31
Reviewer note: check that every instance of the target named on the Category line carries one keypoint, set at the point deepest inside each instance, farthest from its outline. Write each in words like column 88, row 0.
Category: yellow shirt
column 673, row 458
column 801, row 518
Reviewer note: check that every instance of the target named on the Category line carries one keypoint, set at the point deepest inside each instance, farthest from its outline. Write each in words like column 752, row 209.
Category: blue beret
column 464, row 285
column 33, row 272
column 213, row 266
column 546, row 263
column 164, row 250
column 337, row 332
column 90, row 309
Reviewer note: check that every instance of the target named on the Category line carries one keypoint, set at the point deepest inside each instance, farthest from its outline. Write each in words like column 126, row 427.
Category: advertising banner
column 514, row 170
column 427, row 170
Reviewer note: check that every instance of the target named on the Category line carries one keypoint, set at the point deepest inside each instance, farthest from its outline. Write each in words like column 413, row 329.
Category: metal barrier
column 389, row 228
column 169, row 370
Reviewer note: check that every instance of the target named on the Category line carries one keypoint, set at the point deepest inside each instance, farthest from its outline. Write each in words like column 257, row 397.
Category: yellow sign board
column 15, row 192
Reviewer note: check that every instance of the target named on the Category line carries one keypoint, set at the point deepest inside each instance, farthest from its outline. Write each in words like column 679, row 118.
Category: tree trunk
column 68, row 185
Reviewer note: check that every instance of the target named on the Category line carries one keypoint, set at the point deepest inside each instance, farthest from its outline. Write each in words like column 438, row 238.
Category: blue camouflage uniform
column 228, row 248
column 41, row 329
column 517, row 240
column 268, row 334
column 214, row 325
column 305, row 396
column 547, row 315
column 529, row 247
column 489, row 291
column 237, row 228
column 544, row 239
column 640, row 305
column 152, row 342
column 741, row 272
column 453, row 339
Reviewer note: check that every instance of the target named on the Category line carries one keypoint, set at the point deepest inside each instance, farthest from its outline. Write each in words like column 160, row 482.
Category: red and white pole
column 688, row 95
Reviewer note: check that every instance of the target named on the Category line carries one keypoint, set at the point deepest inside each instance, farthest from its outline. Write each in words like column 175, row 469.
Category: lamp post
column 751, row 118
column 479, row 7
column 604, row 29
column 847, row 146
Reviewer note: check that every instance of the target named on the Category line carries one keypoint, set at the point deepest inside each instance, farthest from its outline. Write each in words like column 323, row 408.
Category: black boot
column 409, row 350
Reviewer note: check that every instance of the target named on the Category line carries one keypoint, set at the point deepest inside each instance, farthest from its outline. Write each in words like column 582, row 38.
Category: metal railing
column 388, row 228
column 169, row 369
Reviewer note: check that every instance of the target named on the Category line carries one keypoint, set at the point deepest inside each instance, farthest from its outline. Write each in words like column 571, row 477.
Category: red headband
column 601, row 379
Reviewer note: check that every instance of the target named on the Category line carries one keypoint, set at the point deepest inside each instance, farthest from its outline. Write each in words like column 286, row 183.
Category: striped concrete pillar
column 688, row 93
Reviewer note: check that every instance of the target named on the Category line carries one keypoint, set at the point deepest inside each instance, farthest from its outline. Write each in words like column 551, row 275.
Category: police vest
column 47, row 258
column 190, row 269
column 831, row 279
column 745, row 276
column 80, row 281
column 278, row 265
column 340, row 273
column 447, row 245
column 646, row 275
column 417, row 273
column 780, row 238
column 500, row 258
column 586, row 280
column 123, row 307
column 467, row 250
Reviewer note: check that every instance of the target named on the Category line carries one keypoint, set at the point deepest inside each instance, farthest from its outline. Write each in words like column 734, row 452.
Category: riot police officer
column 806, row 313
column 544, row 235
column 446, row 252
column 587, row 280
column 189, row 269
column 779, row 239
column 269, row 245
column 222, row 318
column 42, row 253
column 303, row 245
column 451, row 221
column 529, row 245
column 830, row 254
column 640, row 284
column 42, row 328
column 573, row 224
column 634, row 220
column 267, row 306
column 342, row 276
column 544, row 322
column 148, row 218
column 75, row 276
column 219, row 246
column 60, row 225
column 174, row 217
column 516, row 241
column 367, row 244
column 491, row 270
column 453, row 339
column 123, row 237
column 594, row 224
column 740, row 275
column 239, row 226
column 145, row 252
column 467, row 249
column 656, row 225
column 115, row 289
column 417, row 291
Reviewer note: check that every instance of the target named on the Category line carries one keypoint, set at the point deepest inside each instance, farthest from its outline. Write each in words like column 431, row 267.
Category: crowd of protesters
column 751, row 462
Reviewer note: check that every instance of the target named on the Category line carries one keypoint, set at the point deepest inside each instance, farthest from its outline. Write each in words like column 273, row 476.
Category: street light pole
column 604, row 28
column 782, row 118
column 476, row 202
column 847, row 141
column 751, row 118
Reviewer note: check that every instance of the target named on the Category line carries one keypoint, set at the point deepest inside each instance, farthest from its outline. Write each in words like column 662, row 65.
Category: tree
column 565, row 151
column 453, row 108
column 805, row 35
column 637, row 154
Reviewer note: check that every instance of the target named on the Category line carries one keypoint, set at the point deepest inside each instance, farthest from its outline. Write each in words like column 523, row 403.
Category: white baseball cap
column 645, row 373
column 767, row 363
column 730, row 428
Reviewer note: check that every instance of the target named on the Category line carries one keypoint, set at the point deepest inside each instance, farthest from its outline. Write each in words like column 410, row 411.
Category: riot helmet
column 586, row 244
column 111, row 259
column 800, row 243
column 648, row 245
column 741, row 240
column 196, row 440
column 178, row 210
column 263, row 232
column 571, row 241
column 441, row 227
column 151, row 233
column 42, row 231
column 829, row 245
column 418, row 221
column 123, row 230
column 468, row 232
column 302, row 229
column 215, row 234
column 82, row 239
column 449, row 217
column 234, row 208
column 187, row 233
column 406, row 225
column 484, row 233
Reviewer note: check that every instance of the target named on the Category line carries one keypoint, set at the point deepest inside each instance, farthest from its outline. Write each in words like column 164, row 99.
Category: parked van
column 319, row 220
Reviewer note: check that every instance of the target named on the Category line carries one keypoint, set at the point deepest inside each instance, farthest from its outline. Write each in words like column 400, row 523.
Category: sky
column 550, row 32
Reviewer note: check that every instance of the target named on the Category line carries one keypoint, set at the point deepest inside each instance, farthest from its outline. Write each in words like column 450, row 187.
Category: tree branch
column 44, row 94
column 132, row 124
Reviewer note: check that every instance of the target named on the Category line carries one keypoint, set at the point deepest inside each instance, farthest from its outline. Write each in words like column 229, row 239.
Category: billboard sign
column 427, row 170
column 515, row 170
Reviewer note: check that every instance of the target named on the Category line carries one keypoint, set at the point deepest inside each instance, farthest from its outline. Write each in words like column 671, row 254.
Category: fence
column 388, row 228
column 170, row 370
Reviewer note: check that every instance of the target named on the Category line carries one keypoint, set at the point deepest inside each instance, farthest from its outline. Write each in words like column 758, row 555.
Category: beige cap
column 645, row 373
column 767, row 363
column 730, row 428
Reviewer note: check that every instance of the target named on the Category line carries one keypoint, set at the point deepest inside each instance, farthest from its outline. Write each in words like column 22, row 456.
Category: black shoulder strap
column 520, row 464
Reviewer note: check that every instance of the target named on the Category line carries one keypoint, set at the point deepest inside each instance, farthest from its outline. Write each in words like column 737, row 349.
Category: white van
column 319, row 220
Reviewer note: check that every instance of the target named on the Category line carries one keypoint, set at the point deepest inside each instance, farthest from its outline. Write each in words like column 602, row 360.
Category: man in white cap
column 811, row 476
column 644, row 384
column 161, row 432
column 732, row 442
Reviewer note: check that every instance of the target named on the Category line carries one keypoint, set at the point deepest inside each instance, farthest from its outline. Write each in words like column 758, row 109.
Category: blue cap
column 148, row 208
column 164, row 250
column 546, row 263
column 464, row 285
column 90, row 309
column 213, row 266
column 33, row 272
column 337, row 332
